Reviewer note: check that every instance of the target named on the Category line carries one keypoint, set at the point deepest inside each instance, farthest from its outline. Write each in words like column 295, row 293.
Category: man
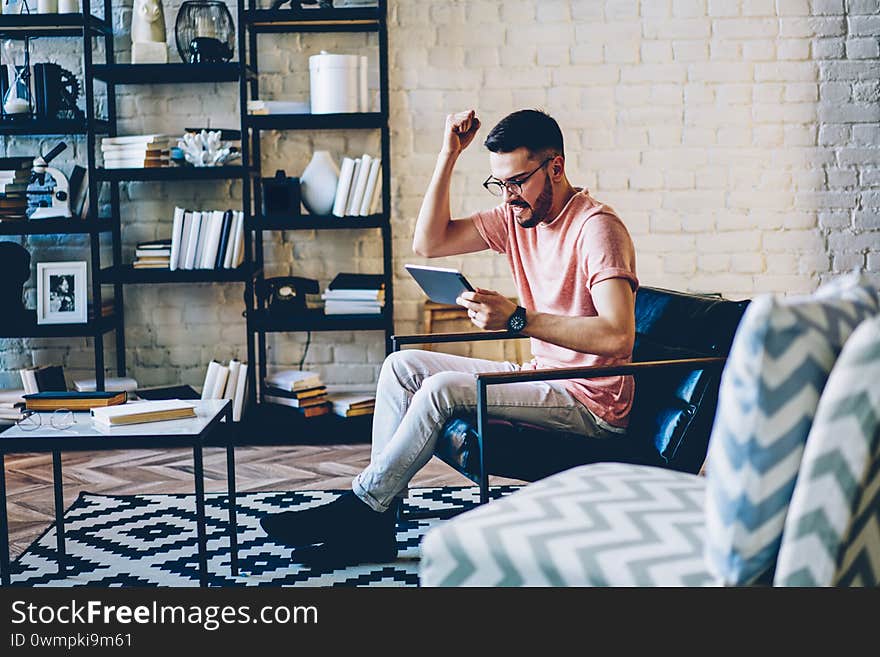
column 574, row 267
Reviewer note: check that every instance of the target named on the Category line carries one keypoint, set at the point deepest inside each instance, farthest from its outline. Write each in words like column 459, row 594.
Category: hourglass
column 17, row 99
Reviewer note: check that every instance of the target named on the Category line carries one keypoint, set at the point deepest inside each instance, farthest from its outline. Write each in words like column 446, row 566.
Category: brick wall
column 737, row 139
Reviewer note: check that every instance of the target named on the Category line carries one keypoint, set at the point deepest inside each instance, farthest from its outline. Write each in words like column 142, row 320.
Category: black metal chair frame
column 483, row 381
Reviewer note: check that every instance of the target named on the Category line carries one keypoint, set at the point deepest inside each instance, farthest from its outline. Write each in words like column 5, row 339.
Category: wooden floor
column 31, row 501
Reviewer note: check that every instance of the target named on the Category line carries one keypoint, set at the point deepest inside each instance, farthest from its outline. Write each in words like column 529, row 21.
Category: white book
column 346, row 171
column 176, row 230
column 143, row 411
column 210, row 379
column 212, row 239
column 193, row 246
column 111, row 384
column 372, row 178
column 29, row 380
column 184, row 239
column 136, row 139
column 292, row 380
column 231, row 240
column 220, row 382
column 351, row 308
column 351, row 192
column 360, row 186
column 240, row 393
column 375, row 204
column 232, row 379
column 10, row 397
column 238, row 254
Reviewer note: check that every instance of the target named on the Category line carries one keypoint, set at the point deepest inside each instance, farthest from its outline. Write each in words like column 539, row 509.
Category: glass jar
column 204, row 32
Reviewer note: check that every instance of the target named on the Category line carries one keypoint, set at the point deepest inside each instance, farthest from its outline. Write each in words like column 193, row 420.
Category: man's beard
column 542, row 206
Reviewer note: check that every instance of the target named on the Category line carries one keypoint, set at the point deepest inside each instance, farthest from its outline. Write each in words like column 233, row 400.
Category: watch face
column 517, row 322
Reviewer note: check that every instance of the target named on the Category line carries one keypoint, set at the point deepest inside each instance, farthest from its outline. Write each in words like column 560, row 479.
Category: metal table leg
column 5, row 577
column 59, row 509
column 200, row 515
column 230, row 485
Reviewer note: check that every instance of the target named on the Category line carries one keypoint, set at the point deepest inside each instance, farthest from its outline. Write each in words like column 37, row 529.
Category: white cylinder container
column 47, row 6
column 68, row 6
column 334, row 82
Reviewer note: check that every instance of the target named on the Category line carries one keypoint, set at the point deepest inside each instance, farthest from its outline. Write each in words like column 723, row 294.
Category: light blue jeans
column 418, row 391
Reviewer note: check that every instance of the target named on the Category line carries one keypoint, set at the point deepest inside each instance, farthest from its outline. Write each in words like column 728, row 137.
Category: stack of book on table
column 152, row 255
column 15, row 175
column 358, row 191
column 227, row 382
column 355, row 294
column 72, row 401
column 11, row 405
column 212, row 239
column 111, row 384
column 302, row 390
column 143, row 411
column 137, row 151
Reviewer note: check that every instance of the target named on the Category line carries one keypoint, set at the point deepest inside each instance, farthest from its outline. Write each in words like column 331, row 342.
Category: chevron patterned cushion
column 840, row 462
column 604, row 524
column 782, row 354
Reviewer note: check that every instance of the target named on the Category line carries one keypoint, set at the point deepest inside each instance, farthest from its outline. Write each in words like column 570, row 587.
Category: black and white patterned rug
column 150, row 540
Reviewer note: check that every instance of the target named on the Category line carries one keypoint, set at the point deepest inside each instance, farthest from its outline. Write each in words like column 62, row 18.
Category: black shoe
column 380, row 548
column 344, row 519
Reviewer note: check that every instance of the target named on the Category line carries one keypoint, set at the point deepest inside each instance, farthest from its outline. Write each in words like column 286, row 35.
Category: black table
column 84, row 435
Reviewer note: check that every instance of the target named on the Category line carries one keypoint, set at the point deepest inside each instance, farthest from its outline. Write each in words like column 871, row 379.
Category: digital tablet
column 441, row 285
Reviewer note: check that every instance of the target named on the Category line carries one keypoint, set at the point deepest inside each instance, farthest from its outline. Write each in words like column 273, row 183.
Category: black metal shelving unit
column 121, row 274
column 285, row 21
column 87, row 26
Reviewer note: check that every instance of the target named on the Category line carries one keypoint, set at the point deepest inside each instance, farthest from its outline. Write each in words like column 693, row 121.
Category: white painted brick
column 831, row 48
column 656, row 52
column 864, row 25
column 869, row 177
column 868, row 220
column 869, row 7
column 644, row 178
column 862, row 48
column 652, row 73
column 793, row 240
column 685, row 28
column 718, row 72
column 827, row 7
column 873, row 261
column 553, row 11
column 725, row 50
column 761, row 50
column 744, row 28
column 586, row 53
column 625, row 52
column 622, row 9
column 723, row 8
column 690, row 51
column 786, row 71
column 842, row 178
column 868, row 92
column 611, row 179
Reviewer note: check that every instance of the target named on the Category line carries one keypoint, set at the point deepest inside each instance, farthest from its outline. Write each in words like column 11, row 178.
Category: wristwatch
column 517, row 321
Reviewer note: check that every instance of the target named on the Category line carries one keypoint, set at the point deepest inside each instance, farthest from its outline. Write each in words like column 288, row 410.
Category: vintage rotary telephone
column 286, row 295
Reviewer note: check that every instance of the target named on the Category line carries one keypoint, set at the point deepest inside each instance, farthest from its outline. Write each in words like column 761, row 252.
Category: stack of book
column 152, row 255
column 72, row 401
column 298, row 389
column 212, row 239
column 227, row 382
column 137, row 151
column 43, row 378
column 143, row 411
column 11, row 405
column 111, row 384
column 352, row 404
column 358, row 191
column 355, row 294
column 15, row 175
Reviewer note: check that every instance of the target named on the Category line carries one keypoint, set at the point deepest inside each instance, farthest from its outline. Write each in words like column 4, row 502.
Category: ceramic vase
column 318, row 183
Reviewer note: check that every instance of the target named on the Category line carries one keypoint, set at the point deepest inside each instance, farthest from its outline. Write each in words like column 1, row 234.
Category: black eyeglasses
column 496, row 187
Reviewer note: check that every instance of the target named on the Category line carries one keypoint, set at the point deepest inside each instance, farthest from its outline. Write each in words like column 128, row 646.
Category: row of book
column 227, row 382
column 15, row 175
column 354, row 294
column 211, row 239
column 306, row 392
column 358, row 191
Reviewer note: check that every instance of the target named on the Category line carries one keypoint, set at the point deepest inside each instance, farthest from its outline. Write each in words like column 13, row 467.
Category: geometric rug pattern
column 150, row 540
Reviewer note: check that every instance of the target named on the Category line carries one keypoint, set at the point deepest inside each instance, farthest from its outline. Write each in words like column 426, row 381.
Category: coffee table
column 85, row 435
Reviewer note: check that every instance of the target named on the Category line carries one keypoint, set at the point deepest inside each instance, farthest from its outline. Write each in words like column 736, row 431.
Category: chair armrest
column 432, row 338
column 594, row 371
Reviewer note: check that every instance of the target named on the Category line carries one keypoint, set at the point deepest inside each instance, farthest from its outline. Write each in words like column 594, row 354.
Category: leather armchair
column 681, row 344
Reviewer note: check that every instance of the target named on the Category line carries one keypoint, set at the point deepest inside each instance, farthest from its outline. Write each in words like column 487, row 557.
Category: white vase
column 318, row 183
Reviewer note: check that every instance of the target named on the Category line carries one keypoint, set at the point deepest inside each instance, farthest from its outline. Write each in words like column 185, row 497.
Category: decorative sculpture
column 148, row 33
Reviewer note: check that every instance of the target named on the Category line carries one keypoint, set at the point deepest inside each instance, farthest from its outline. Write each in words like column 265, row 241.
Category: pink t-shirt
column 554, row 266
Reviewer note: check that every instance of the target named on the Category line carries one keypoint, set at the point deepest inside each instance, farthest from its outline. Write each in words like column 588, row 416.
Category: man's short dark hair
column 535, row 130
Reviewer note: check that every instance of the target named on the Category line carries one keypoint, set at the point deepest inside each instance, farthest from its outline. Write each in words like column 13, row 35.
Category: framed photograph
column 61, row 293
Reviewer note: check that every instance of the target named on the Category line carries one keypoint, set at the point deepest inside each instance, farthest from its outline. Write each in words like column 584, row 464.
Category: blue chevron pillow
column 778, row 365
column 827, row 541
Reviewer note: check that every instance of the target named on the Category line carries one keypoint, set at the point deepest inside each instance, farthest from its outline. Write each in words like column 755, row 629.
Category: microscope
column 55, row 196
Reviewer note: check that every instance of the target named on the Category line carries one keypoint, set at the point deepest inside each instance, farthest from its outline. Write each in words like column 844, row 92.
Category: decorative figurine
column 148, row 33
